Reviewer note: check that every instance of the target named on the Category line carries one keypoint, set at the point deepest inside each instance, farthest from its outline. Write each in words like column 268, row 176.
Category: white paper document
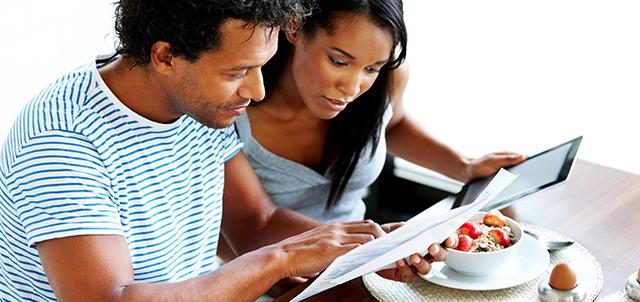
column 414, row 237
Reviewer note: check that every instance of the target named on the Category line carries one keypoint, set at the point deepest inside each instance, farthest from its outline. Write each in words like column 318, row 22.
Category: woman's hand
column 420, row 265
column 490, row 164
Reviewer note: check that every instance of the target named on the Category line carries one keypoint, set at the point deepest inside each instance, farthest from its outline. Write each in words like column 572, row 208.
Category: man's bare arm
column 99, row 268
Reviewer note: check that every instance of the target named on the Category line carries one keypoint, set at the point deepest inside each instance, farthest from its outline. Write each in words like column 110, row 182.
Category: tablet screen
column 540, row 171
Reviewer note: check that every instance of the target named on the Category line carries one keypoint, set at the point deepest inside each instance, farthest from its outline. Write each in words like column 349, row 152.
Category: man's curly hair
column 192, row 27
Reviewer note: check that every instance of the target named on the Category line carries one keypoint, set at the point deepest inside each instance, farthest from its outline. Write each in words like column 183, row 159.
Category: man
column 112, row 178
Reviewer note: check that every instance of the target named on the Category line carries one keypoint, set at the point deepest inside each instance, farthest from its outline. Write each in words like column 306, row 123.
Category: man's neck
column 138, row 88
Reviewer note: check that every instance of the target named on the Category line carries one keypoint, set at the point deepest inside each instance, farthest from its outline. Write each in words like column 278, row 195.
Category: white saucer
column 530, row 261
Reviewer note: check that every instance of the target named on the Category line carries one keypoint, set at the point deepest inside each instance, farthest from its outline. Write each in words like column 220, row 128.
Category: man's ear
column 162, row 59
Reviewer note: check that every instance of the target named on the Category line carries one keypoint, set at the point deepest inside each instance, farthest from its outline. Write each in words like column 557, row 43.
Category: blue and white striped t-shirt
column 79, row 162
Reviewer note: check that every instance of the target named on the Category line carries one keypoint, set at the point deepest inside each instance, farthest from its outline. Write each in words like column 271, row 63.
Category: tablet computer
column 540, row 171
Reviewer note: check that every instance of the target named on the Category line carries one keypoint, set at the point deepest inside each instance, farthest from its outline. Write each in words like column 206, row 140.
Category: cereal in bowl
column 493, row 234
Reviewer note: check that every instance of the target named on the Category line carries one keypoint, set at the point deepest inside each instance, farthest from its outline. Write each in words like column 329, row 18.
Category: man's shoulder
column 67, row 94
column 57, row 107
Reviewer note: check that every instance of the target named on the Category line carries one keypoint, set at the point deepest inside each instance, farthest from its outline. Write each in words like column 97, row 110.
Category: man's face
column 219, row 86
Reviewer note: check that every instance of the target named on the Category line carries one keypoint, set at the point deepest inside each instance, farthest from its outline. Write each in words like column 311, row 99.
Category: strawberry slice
column 471, row 228
column 500, row 236
column 464, row 243
column 494, row 218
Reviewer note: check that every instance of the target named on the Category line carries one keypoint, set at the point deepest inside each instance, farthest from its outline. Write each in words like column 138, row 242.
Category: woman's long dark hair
column 359, row 123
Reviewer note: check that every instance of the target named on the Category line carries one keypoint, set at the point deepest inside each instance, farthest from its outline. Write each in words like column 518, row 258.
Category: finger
column 507, row 153
column 365, row 226
column 405, row 272
column 516, row 156
column 437, row 253
column 293, row 281
column 387, row 227
column 451, row 242
column 511, row 157
column 421, row 265
column 357, row 238
column 345, row 248
column 392, row 226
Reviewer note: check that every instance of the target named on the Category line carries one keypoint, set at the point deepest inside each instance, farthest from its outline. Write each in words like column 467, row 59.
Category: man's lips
column 237, row 110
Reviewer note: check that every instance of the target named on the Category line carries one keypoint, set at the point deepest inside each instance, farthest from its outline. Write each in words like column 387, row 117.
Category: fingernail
column 436, row 249
column 401, row 264
column 417, row 259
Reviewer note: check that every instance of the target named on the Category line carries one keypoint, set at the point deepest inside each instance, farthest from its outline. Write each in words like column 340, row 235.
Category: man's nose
column 253, row 86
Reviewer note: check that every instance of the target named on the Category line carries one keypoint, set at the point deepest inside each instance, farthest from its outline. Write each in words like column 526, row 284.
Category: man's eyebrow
column 348, row 55
column 241, row 68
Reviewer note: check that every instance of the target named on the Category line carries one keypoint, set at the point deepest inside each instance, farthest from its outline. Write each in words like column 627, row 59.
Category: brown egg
column 563, row 277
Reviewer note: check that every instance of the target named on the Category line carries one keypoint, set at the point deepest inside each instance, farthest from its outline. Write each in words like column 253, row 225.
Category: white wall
column 527, row 75
column 41, row 40
column 485, row 75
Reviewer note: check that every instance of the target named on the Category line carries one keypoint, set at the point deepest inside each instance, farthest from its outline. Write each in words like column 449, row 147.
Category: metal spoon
column 549, row 245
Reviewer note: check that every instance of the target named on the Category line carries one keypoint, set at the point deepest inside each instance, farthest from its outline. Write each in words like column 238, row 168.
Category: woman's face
column 332, row 71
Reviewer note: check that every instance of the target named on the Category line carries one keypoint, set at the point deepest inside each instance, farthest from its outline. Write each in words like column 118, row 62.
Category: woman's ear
column 293, row 36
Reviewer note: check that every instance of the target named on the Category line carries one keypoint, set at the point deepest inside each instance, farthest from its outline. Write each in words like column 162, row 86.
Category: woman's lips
column 335, row 105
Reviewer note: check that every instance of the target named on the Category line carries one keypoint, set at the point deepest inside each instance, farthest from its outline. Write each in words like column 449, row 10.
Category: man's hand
column 420, row 265
column 285, row 285
column 99, row 267
column 314, row 250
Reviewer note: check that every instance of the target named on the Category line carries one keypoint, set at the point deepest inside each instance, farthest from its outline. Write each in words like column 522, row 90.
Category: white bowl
column 479, row 264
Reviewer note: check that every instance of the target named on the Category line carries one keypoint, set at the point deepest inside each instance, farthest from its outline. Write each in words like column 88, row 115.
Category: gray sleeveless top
column 295, row 186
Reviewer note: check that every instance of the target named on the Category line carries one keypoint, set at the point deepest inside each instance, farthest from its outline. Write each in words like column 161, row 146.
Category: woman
column 333, row 109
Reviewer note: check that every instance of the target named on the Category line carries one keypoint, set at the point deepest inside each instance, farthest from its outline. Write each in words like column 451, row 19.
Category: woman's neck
column 284, row 102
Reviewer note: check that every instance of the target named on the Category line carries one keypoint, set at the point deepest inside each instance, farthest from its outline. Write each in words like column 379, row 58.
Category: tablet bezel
column 479, row 184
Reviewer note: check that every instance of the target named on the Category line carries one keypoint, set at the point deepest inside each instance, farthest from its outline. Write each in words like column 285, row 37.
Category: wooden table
column 598, row 206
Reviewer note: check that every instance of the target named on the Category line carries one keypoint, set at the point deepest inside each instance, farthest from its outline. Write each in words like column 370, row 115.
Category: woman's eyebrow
column 348, row 55
column 382, row 62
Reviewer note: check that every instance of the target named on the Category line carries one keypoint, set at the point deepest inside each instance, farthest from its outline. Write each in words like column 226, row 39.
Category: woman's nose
column 350, row 86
